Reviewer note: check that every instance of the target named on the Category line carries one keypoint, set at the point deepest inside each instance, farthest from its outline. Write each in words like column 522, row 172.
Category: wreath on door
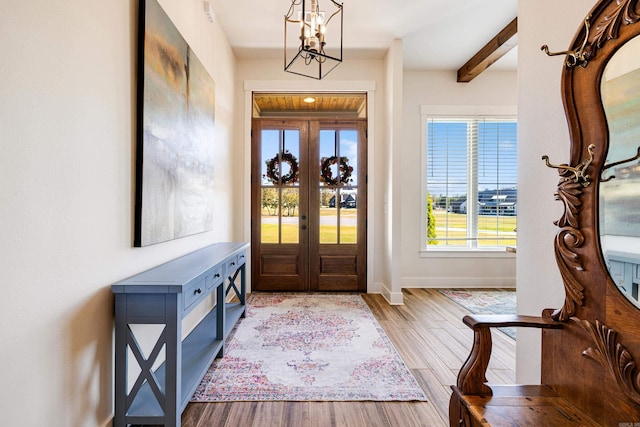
column 344, row 170
column 273, row 169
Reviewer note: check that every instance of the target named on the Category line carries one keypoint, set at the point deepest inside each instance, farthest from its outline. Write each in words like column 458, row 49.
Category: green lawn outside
column 453, row 225
column 328, row 233
column 485, row 222
column 488, row 225
column 324, row 211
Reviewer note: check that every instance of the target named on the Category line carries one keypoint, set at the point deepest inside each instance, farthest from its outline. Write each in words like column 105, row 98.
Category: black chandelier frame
column 317, row 63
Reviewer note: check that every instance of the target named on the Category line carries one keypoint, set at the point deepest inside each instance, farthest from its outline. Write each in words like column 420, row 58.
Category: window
column 471, row 182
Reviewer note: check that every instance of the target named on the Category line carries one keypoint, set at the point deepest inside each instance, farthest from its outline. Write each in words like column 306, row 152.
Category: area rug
column 502, row 301
column 308, row 347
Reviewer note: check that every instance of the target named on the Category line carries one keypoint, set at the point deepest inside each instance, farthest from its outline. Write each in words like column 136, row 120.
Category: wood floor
column 429, row 335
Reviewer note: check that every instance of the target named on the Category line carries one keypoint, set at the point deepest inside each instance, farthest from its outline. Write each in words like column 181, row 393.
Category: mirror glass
column 619, row 212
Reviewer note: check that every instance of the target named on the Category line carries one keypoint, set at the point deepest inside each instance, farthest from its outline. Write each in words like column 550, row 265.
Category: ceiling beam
column 506, row 40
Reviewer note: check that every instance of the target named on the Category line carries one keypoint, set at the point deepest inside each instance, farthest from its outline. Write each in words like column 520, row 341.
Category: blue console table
column 624, row 268
column 164, row 295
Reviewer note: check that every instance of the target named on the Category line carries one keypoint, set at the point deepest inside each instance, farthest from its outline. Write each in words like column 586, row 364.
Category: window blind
column 472, row 159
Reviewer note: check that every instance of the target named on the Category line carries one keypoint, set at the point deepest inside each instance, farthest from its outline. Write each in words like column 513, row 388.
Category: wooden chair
column 591, row 345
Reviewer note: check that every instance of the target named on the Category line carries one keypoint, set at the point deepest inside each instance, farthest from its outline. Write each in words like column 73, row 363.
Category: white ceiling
column 436, row 34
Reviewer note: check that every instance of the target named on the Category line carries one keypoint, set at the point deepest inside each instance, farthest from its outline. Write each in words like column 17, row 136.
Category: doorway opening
column 309, row 192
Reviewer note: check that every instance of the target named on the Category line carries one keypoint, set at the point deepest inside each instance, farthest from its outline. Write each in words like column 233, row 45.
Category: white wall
column 67, row 144
column 392, row 161
column 542, row 130
column 491, row 88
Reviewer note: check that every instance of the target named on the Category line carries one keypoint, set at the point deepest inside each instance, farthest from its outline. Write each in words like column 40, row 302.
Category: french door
column 309, row 205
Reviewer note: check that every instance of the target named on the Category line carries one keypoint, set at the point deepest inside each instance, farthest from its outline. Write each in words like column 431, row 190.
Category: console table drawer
column 194, row 293
column 232, row 264
column 215, row 277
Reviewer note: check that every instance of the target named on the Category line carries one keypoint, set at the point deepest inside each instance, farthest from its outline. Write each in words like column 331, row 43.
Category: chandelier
column 306, row 52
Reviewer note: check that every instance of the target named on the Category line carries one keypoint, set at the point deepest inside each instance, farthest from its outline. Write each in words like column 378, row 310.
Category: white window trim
column 448, row 111
column 466, row 253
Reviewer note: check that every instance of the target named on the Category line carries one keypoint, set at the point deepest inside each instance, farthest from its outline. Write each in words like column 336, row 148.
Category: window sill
column 467, row 253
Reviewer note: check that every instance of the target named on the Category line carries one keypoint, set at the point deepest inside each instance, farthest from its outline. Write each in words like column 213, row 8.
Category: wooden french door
column 309, row 205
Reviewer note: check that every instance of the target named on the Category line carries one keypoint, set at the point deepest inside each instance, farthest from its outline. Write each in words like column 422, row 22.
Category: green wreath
column 273, row 169
column 344, row 170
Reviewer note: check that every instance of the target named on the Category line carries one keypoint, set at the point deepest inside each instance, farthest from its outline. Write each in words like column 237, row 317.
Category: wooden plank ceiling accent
column 330, row 104
column 506, row 40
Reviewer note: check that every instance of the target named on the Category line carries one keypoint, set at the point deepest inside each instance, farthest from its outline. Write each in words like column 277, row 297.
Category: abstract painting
column 175, row 134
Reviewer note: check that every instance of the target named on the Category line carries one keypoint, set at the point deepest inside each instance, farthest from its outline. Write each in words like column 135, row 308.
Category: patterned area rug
column 308, row 347
column 493, row 301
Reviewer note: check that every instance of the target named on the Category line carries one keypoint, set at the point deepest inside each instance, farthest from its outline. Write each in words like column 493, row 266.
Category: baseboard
column 458, row 282
column 393, row 298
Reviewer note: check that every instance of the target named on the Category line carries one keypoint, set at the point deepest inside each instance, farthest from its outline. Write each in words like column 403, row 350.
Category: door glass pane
column 348, row 216
column 270, row 150
column 349, row 156
column 290, row 204
column 270, row 228
column 328, row 167
column 280, row 157
column 289, row 168
column 328, row 216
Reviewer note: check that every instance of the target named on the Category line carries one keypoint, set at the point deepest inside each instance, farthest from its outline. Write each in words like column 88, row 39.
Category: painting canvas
column 175, row 134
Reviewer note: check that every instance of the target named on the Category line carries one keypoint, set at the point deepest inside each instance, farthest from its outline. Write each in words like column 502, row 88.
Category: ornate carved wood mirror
column 598, row 242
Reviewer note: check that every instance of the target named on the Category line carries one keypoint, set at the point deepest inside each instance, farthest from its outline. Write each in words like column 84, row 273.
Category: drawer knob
column 217, row 275
column 197, row 291
column 233, row 263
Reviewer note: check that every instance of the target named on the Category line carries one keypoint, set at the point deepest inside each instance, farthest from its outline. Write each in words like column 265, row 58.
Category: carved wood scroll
column 568, row 239
column 607, row 29
column 609, row 353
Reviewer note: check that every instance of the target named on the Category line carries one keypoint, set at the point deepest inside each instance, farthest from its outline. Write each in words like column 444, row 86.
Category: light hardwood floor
column 429, row 335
